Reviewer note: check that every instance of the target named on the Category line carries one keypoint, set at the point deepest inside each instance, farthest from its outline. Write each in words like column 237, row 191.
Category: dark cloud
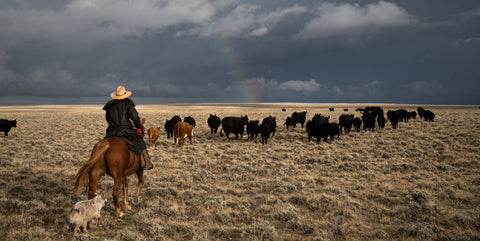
column 232, row 50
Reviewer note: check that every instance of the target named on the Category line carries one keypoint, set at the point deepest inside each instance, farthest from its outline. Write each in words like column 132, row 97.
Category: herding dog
column 85, row 211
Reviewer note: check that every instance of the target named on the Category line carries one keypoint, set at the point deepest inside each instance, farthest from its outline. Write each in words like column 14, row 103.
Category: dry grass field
column 418, row 182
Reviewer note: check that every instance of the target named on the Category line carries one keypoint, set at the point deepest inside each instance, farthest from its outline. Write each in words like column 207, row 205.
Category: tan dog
column 153, row 133
column 86, row 211
column 182, row 130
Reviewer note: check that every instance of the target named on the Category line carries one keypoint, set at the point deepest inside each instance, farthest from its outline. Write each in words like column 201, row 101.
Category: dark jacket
column 119, row 113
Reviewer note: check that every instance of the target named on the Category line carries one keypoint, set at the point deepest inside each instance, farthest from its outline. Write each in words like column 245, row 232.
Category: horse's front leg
column 125, row 193
column 116, row 191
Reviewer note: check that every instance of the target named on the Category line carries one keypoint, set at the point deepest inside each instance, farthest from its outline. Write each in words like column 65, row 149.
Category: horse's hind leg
column 116, row 191
column 125, row 193
column 140, row 182
column 94, row 179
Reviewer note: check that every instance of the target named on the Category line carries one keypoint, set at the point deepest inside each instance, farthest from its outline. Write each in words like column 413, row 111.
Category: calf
column 252, row 129
column 428, row 115
column 333, row 130
column 346, row 122
column 265, row 130
column 182, row 130
column 309, row 128
column 213, row 122
column 381, row 121
column 357, row 123
column 153, row 133
column 289, row 122
column 170, row 125
column 412, row 114
column 420, row 111
column 6, row 125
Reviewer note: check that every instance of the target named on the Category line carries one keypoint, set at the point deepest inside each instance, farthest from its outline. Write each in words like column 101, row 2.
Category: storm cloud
column 235, row 51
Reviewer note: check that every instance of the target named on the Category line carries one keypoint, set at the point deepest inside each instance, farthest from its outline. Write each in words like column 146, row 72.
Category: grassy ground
column 418, row 182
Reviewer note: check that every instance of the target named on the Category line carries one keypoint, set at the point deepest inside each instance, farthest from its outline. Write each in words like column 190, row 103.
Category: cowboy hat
column 121, row 93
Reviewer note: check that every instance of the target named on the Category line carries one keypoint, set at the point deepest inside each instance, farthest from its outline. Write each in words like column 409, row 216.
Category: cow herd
column 372, row 116
column 319, row 127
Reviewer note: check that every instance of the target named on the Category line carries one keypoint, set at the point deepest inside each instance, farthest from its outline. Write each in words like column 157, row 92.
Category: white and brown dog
column 85, row 211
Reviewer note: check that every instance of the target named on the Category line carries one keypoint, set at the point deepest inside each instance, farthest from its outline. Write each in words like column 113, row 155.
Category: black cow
column 357, row 123
column 252, row 129
column 428, row 115
column 359, row 109
column 319, row 127
column 346, row 123
column 420, row 111
column 298, row 117
column 345, row 109
column 289, row 122
column 309, row 127
column 333, row 130
column 170, row 125
column 235, row 125
column 271, row 122
column 284, row 109
column 368, row 119
column 403, row 115
column 6, row 125
column 213, row 122
column 331, row 109
column 394, row 118
column 377, row 111
column 381, row 121
column 412, row 115
column 264, row 129
column 189, row 120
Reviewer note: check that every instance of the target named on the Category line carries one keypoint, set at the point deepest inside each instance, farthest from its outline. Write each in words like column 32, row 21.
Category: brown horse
column 111, row 156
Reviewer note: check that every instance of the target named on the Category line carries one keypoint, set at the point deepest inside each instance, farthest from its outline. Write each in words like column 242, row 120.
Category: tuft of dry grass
column 418, row 182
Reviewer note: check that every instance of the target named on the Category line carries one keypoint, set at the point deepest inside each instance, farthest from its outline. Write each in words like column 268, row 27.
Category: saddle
column 131, row 147
column 129, row 144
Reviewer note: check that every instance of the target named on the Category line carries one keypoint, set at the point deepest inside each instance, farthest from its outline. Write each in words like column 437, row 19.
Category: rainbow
column 248, row 93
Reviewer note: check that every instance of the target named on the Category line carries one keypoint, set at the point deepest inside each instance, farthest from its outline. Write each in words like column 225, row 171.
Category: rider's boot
column 145, row 159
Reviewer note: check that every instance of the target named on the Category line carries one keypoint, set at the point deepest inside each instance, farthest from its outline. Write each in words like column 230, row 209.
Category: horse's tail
column 82, row 177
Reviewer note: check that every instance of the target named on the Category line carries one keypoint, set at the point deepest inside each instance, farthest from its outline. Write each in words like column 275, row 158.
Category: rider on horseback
column 120, row 111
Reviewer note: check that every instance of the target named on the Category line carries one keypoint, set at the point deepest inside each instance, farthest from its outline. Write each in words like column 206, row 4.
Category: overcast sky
column 393, row 51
